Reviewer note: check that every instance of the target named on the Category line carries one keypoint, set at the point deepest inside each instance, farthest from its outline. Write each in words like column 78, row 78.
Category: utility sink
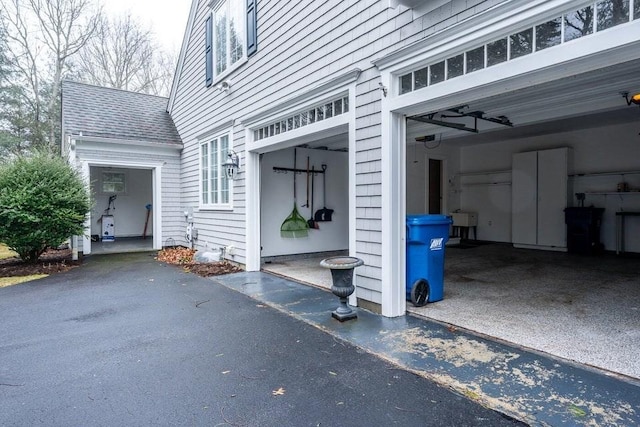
column 464, row 219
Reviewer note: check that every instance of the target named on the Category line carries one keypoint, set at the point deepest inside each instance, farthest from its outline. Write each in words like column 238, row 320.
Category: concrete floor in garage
column 581, row 308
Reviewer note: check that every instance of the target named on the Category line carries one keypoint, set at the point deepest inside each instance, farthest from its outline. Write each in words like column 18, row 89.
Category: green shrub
column 43, row 201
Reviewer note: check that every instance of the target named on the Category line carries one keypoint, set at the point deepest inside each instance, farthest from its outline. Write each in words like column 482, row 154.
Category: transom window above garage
column 309, row 116
column 586, row 20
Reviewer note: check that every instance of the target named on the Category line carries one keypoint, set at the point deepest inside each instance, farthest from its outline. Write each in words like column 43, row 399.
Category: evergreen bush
column 43, row 201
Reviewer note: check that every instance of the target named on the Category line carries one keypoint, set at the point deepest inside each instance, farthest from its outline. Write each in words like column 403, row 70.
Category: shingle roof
column 114, row 113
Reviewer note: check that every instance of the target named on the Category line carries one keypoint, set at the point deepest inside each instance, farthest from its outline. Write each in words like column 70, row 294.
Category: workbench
column 620, row 219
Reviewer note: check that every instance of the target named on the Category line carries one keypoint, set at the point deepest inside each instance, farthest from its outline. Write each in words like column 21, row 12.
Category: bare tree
column 67, row 25
column 123, row 55
column 159, row 76
column 42, row 36
column 24, row 52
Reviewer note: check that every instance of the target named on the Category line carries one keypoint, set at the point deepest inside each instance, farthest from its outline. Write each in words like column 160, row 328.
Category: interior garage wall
column 277, row 201
column 130, row 208
column 604, row 149
column 417, row 177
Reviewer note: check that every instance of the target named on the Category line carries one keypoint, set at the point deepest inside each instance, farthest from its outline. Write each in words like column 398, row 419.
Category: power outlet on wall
column 490, row 223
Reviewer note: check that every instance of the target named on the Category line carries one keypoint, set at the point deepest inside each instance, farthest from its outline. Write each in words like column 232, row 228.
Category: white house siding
column 300, row 45
column 173, row 221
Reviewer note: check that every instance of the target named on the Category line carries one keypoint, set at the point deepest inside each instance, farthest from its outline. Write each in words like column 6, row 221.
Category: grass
column 9, row 281
column 5, row 252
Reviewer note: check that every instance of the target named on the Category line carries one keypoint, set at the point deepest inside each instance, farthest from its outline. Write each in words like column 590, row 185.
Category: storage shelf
column 485, row 184
column 484, row 173
column 610, row 193
column 613, row 173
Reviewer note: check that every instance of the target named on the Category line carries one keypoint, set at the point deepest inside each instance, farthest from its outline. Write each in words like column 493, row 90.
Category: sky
column 167, row 18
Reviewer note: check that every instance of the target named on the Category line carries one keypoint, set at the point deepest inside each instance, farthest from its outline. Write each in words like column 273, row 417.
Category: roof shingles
column 116, row 114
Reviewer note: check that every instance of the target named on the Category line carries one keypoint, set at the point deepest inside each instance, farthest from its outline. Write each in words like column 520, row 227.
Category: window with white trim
column 114, row 182
column 591, row 17
column 230, row 36
column 317, row 113
column 214, row 186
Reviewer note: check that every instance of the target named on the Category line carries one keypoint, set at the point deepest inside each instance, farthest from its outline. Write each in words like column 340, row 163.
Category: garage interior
column 532, row 278
column 121, row 216
column 321, row 187
column 578, row 306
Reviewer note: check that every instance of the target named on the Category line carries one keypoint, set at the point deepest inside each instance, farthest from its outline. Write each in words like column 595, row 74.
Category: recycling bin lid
column 430, row 219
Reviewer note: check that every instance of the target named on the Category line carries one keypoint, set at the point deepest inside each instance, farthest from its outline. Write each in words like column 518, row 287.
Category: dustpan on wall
column 325, row 213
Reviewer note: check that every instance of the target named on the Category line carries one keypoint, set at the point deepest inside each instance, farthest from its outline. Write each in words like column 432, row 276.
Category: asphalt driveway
column 125, row 340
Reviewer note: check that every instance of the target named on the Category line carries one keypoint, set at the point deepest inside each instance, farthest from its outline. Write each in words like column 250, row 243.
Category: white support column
column 353, row 300
column 156, row 206
column 86, row 238
column 252, row 182
column 393, row 209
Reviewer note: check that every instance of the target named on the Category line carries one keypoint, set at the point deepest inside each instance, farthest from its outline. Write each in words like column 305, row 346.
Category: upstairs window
column 230, row 36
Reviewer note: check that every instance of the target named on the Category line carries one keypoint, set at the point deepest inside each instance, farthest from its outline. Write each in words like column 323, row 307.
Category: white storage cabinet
column 539, row 196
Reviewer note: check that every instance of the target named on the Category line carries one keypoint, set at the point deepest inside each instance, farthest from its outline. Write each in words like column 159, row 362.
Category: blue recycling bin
column 426, row 239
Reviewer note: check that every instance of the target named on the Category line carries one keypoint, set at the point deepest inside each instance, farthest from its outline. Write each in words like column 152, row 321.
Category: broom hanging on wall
column 294, row 225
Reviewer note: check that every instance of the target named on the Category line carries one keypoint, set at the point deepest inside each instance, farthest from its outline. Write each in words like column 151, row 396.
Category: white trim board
column 110, row 144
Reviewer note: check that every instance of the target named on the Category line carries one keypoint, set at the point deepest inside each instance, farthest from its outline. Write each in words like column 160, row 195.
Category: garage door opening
column 320, row 169
column 580, row 307
column 122, row 213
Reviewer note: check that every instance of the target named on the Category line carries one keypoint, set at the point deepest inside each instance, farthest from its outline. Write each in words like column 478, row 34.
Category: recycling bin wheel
column 420, row 292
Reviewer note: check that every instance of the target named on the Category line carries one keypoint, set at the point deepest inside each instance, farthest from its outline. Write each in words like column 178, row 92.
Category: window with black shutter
column 207, row 51
column 231, row 36
column 252, row 23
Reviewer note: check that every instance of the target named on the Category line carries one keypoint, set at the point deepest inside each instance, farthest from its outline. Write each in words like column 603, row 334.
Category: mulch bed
column 184, row 257
column 52, row 261
column 212, row 268
column 59, row 260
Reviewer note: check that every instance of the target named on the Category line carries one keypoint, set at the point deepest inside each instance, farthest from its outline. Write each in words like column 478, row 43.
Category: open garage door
column 320, row 172
column 514, row 163
column 122, row 215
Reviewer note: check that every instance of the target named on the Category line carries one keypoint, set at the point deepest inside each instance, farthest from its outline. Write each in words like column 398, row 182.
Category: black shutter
column 207, row 51
column 252, row 27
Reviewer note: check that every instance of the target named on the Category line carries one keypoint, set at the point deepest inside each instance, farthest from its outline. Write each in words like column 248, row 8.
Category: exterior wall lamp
column 232, row 165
